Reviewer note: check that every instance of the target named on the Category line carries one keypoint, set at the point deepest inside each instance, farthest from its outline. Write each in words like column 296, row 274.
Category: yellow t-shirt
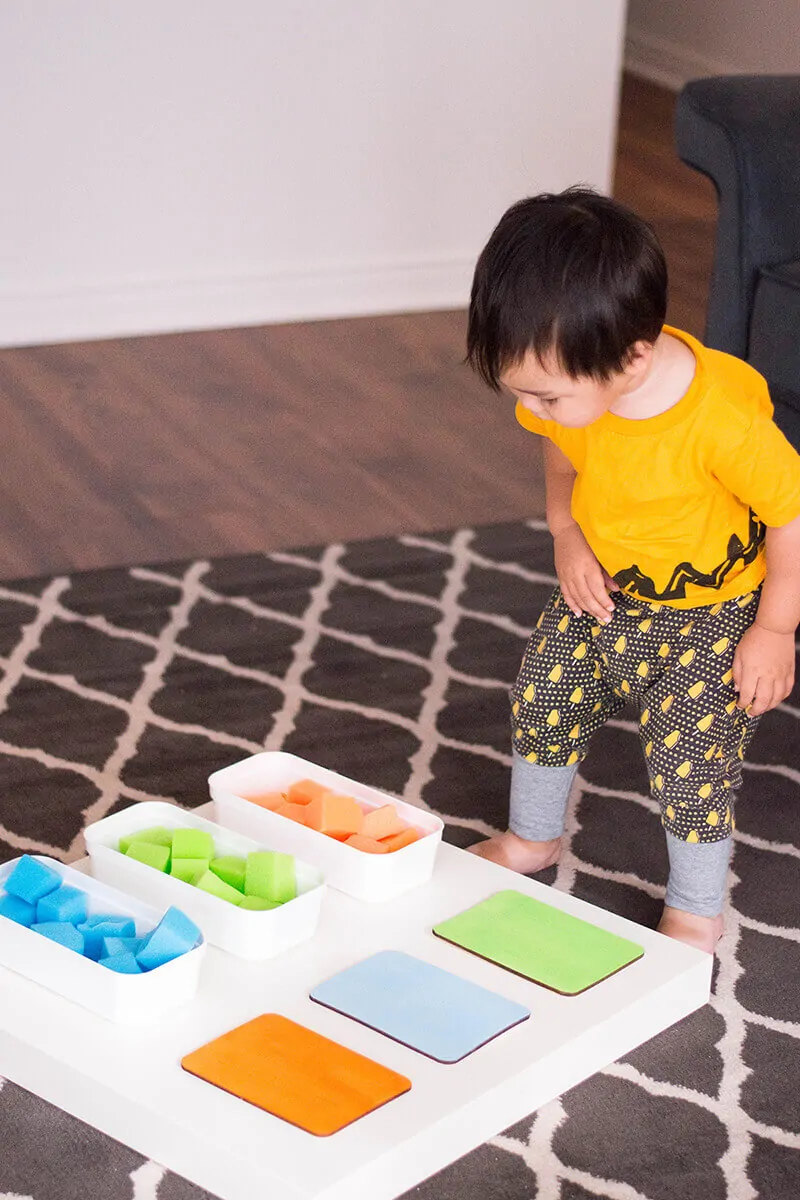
column 675, row 506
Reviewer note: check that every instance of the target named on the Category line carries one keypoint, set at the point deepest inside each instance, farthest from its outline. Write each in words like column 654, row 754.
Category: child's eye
column 549, row 399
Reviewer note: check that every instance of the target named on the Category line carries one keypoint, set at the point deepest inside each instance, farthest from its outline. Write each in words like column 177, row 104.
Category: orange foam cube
column 303, row 791
column 399, row 840
column 369, row 845
column 295, row 812
column 336, row 815
column 382, row 822
column 271, row 800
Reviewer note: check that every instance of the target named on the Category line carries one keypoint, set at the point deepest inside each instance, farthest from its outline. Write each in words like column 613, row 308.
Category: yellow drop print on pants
column 645, row 624
column 580, row 651
column 672, row 739
column 693, row 836
column 670, row 812
column 643, row 670
column 705, row 722
column 554, row 718
column 712, row 818
column 687, row 658
column 666, row 703
column 573, row 758
column 575, row 732
column 727, row 677
column 721, row 646
column 531, row 757
column 515, row 707
column 620, row 644
column 529, row 693
column 696, row 689
column 684, row 769
column 556, row 673
column 563, row 624
column 705, row 791
column 576, row 696
column 645, row 717
column 663, row 650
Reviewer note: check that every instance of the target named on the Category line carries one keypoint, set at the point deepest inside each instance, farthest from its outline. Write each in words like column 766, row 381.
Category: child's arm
column 763, row 668
column 583, row 581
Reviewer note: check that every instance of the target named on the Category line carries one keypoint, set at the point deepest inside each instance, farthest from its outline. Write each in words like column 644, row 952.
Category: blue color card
column 422, row 1006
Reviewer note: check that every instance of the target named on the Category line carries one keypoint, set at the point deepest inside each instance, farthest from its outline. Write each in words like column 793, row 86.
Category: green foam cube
column 149, row 853
column 209, row 882
column 192, row 843
column 258, row 904
column 270, row 875
column 231, row 869
column 188, row 869
column 157, row 835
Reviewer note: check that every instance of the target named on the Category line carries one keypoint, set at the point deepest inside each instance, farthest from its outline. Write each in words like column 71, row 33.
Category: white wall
column 175, row 164
column 673, row 42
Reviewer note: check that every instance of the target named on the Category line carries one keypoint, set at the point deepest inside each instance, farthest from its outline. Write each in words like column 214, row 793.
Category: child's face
column 553, row 396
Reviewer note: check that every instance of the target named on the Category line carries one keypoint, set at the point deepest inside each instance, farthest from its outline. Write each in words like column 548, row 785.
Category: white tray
column 248, row 933
column 365, row 876
column 122, row 998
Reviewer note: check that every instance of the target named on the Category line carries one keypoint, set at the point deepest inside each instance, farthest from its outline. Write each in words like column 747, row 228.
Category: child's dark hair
column 573, row 274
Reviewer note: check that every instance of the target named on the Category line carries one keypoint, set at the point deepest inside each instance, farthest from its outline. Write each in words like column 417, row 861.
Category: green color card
column 540, row 942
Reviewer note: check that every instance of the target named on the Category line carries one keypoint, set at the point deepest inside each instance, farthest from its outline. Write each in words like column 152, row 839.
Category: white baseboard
column 132, row 308
column 669, row 63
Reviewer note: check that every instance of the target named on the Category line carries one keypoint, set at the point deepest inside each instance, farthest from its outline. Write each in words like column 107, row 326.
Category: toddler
column 673, row 501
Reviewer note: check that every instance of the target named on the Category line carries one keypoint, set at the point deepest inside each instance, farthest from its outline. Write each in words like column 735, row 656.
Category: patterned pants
column 675, row 666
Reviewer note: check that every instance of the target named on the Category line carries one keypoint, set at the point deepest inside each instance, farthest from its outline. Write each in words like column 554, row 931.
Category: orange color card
column 296, row 1074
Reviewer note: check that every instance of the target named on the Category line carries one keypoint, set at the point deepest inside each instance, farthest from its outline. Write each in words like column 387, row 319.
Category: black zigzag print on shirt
column 632, row 579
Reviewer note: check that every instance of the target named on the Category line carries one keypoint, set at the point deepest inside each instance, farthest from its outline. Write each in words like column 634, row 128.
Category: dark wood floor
column 144, row 449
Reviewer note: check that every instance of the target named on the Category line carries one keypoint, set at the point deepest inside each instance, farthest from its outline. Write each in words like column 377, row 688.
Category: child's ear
column 639, row 357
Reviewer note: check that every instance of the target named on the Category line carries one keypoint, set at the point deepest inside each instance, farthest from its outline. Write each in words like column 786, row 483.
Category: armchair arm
column 743, row 131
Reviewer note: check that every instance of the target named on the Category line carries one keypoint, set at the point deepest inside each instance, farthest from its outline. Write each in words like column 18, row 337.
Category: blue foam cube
column 63, row 932
column 31, row 879
column 120, row 945
column 174, row 935
column 96, row 929
column 17, row 910
column 64, row 904
column 125, row 963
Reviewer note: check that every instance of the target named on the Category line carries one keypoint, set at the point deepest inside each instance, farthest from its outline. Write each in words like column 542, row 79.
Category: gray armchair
column 743, row 132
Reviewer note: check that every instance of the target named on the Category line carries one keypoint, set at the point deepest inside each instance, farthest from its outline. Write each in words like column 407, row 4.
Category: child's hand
column 583, row 581
column 763, row 669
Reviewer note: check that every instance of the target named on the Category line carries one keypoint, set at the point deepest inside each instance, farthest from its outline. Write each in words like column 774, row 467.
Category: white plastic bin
column 365, row 876
column 246, row 933
column 128, row 999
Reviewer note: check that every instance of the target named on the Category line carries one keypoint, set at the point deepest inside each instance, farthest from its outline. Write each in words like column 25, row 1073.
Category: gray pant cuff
column 698, row 875
column 538, row 800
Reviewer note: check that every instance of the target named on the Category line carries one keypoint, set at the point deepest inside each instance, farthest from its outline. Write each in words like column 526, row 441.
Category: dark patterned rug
column 389, row 661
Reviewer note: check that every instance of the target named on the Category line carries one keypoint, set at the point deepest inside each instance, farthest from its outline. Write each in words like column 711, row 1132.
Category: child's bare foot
column 701, row 932
column 514, row 852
